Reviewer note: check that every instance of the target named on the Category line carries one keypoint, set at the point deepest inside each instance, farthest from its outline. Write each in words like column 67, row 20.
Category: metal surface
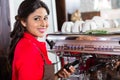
column 98, row 44
column 98, row 54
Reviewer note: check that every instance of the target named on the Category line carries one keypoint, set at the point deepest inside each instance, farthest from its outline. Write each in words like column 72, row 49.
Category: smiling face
column 37, row 22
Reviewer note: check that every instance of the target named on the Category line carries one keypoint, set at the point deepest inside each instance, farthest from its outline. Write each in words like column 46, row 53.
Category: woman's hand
column 63, row 73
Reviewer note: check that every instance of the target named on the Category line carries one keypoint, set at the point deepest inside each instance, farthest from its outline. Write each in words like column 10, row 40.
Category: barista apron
column 48, row 68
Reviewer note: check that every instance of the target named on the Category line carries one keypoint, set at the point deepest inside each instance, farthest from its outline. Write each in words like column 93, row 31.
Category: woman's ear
column 23, row 22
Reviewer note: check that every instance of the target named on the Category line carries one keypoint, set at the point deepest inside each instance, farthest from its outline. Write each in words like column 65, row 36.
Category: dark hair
column 25, row 9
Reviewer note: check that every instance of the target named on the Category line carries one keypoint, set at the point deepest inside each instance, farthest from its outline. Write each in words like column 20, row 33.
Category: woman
column 28, row 56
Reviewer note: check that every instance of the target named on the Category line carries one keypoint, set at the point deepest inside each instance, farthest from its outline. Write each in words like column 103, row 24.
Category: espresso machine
column 98, row 55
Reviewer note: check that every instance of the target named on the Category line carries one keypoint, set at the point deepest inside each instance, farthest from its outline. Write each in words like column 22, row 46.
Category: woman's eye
column 46, row 18
column 37, row 19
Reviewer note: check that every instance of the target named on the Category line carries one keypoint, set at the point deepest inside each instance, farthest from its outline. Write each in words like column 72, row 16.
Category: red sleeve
column 29, row 63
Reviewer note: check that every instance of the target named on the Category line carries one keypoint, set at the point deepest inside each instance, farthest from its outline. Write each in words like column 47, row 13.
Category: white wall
column 52, row 17
column 13, row 10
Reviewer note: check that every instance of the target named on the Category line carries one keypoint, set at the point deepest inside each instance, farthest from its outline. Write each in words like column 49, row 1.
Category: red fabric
column 28, row 64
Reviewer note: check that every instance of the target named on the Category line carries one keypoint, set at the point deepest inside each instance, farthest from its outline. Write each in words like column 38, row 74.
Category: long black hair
column 25, row 9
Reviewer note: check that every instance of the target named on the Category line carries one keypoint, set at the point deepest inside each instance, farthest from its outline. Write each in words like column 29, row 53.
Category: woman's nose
column 43, row 23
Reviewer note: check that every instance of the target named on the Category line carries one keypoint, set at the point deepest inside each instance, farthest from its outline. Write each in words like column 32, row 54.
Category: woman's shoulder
column 24, row 45
column 24, row 42
column 25, row 49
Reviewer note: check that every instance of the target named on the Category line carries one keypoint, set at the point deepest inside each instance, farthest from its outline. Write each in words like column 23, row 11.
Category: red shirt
column 28, row 64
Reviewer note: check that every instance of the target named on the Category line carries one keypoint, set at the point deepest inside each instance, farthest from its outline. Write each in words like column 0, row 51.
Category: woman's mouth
column 42, row 30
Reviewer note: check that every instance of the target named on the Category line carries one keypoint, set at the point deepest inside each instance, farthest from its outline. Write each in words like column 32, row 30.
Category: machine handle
column 71, row 64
